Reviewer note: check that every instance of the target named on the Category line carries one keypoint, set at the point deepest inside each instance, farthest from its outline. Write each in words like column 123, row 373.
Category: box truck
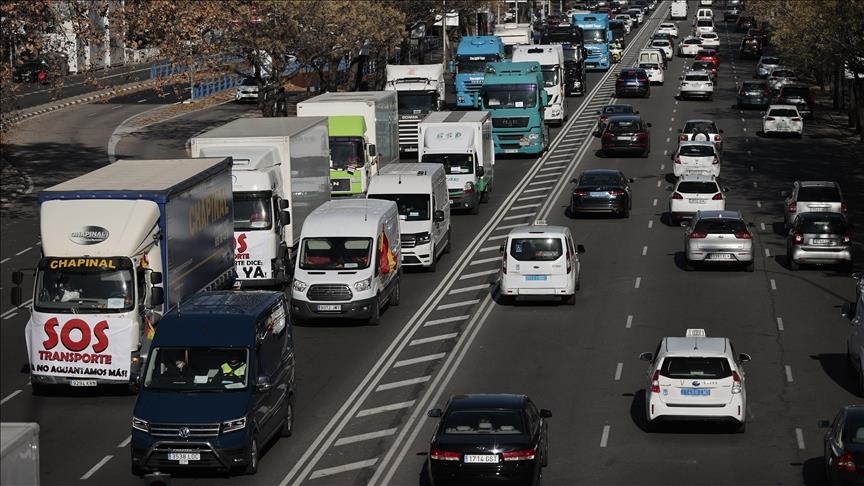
column 20, row 454
column 419, row 90
column 462, row 142
column 364, row 135
column 122, row 245
column 280, row 173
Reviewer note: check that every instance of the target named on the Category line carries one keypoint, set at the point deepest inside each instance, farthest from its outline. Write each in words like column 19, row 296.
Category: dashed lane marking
column 95, row 468
column 788, row 373
column 454, row 305
column 650, row 223
column 419, row 359
column 604, row 438
column 654, row 203
column 767, row 252
column 478, row 274
column 446, row 320
column 320, row 473
column 351, row 439
column 385, row 408
column 25, row 250
column 10, row 396
column 629, row 321
column 432, row 339
column 401, row 383
column 5, row 260
column 125, row 442
column 618, row 371
column 762, row 226
column 638, row 282
column 644, row 250
column 484, row 260
column 780, row 324
column 773, row 283
column 473, row 288
column 799, row 437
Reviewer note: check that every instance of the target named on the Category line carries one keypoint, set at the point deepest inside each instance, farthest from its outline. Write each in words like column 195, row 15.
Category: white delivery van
column 704, row 13
column 652, row 56
column 420, row 194
column 678, row 10
column 540, row 260
column 348, row 262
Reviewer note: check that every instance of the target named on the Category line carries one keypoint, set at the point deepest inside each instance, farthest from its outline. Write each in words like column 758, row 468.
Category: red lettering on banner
column 241, row 243
column 50, row 330
column 99, row 331
column 101, row 336
column 66, row 337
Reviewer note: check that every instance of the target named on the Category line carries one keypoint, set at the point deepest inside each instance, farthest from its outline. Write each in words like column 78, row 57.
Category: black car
column 626, row 134
column 798, row 95
column 601, row 191
column 750, row 48
column 844, row 447
column 744, row 23
column 494, row 438
column 632, row 82
column 611, row 110
column 753, row 94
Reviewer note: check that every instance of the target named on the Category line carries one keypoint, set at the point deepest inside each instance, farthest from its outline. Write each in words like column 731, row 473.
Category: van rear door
column 539, row 261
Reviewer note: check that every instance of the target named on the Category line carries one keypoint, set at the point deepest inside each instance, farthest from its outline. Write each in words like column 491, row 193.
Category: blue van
column 218, row 385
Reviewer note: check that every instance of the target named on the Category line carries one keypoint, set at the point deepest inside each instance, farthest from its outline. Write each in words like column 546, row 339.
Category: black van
column 218, row 384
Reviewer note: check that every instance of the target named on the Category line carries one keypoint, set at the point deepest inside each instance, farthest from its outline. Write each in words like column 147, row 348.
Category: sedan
column 753, row 93
column 488, row 437
column 782, row 119
column 844, row 447
column 668, row 28
column 820, row 238
column 710, row 39
column 798, row 95
column 610, row 110
column 696, row 84
column 626, row 134
column 601, row 191
column 689, row 46
column 696, row 158
column 765, row 65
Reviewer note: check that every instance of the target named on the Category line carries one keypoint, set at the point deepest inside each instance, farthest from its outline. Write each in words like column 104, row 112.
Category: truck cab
column 596, row 35
column 570, row 38
column 551, row 59
column 419, row 91
column 353, row 161
column 513, row 93
column 472, row 54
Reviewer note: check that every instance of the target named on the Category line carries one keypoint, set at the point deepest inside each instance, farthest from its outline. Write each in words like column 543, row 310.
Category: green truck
column 513, row 93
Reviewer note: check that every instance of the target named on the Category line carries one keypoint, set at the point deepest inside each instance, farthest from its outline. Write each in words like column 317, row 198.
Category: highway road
column 363, row 391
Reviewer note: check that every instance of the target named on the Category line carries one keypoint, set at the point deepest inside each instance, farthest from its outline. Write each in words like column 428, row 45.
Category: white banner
column 253, row 254
column 79, row 346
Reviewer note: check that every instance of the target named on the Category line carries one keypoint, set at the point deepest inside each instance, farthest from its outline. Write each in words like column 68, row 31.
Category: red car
column 712, row 55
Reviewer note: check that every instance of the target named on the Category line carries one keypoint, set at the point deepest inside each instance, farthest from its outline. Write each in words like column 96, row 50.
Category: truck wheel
column 252, row 457
column 375, row 318
column 288, row 422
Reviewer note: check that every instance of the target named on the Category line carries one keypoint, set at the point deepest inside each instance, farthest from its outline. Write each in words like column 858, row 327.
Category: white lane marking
column 654, row 203
column 762, row 226
column 618, row 370
column 629, row 321
column 526, row 198
column 125, row 442
column 674, row 110
column 658, row 183
column 95, row 468
column 670, row 129
column 663, row 166
column 385, row 408
column 10, row 396
column 604, row 439
column 538, row 189
column 773, row 284
column 752, row 169
column 519, row 216
column 673, row 119
column 142, row 100
column 527, row 206
column 755, row 184
column 799, row 436
column 401, row 383
column 419, row 359
column 768, row 254
column 457, row 304
column 10, row 315
column 537, row 183
column 478, row 274
column 498, row 237
column 320, row 473
column 780, row 324
column 351, row 439
column 546, row 169
column 485, row 260
column 445, row 320
column 542, row 176
column 758, row 204
column 676, row 102
column 473, row 288
column 25, row 250
column 638, row 282
column 5, row 260
column 508, row 226
column 742, row 120
column 650, row 223
column 667, row 139
column 789, row 373
column 644, row 250
column 665, row 153
column 432, row 339
column 489, row 248
column 745, row 129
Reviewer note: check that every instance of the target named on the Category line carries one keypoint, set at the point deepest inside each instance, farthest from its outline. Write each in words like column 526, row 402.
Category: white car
column 664, row 45
column 704, row 25
column 812, row 196
column 704, row 130
column 689, row 46
column 710, row 39
column 640, row 15
column 780, row 76
column 654, row 70
column 692, row 193
column 696, row 158
column 854, row 311
column 540, row 260
column 695, row 377
column 696, row 84
column 782, row 119
column 718, row 237
column 628, row 22
column 668, row 28
column 247, row 90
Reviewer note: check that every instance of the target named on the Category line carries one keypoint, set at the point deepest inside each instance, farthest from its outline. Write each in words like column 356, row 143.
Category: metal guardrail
column 214, row 86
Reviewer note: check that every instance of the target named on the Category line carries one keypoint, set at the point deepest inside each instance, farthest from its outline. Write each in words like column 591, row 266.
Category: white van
column 651, row 56
column 704, row 13
column 540, row 260
column 678, row 10
column 348, row 262
column 420, row 193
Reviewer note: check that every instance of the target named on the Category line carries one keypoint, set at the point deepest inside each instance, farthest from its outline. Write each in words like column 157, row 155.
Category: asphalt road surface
column 363, row 391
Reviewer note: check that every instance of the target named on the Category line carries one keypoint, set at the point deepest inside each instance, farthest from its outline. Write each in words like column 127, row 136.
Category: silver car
column 820, row 238
column 812, row 196
column 765, row 65
column 718, row 237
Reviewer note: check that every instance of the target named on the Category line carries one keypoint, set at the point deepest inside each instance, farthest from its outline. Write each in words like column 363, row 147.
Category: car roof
column 618, row 104
column 480, row 401
column 631, row 69
column 697, row 71
column 686, row 143
column 706, row 52
column 720, row 214
column 817, row 183
column 695, row 346
column 771, row 107
column 601, row 171
column 699, row 120
column 627, row 117
column 687, row 176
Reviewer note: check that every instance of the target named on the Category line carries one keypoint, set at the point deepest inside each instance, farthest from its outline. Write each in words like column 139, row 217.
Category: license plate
column 329, row 307
column 513, row 151
column 697, row 201
column 598, row 194
column 535, row 278
column 481, row 458
column 625, row 138
column 184, row 457
column 82, row 382
column 696, row 392
column 720, row 256
column 821, row 241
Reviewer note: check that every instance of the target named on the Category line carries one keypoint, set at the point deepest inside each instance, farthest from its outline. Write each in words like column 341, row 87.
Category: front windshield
column 346, row 153
column 550, row 78
column 79, row 285
column 560, row 36
column 594, row 36
column 335, row 253
column 193, row 369
column 453, row 163
column 412, row 207
column 416, row 103
column 475, row 64
column 510, row 96
column 251, row 212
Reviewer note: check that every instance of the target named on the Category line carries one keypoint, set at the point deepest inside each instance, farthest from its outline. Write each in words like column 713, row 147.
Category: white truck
column 280, row 173
column 513, row 34
column 19, row 449
column 551, row 59
column 420, row 192
column 364, row 135
column 462, row 142
column 420, row 90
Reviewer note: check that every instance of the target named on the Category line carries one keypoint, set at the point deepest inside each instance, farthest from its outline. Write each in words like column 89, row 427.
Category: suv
column 695, row 377
column 696, row 158
column 718, row 237
column 750, row 48
column 625, row 134
column 753, row 93
column 820, row 238
column 702, row 130
column 798, row 95
column 765, row 65
column 632, row 82
column 812, row 196
column 696, row 84
column 693, row 193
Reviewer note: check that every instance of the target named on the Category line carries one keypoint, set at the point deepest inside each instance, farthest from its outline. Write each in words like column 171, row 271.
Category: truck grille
column 340, row 185
column 515, row 122
column 408, row 132
column 473, row 85
column 509, row 138
column 194, row 430
column 209, row 460
column 408, row 241
column 329, row 292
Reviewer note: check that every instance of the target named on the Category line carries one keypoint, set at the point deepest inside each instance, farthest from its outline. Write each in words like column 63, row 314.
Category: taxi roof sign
column 540, row 222
column 696, row 333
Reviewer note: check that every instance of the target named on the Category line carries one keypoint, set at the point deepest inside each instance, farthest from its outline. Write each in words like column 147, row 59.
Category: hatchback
column 664, row 45
column 712, row 55
column 844, row 447
column 812, row 196
column 601, row 191
column 632, row 82
column 696, row 84
column 718, row 237
column 692, row 193
column 705, row 66
column 710, row 39
column 656, row 75
column 689, row 46
column 753, row 94
column 819, row 239
column 669, row 28
column 696, row 158
column 782, row 119
column 765, row 65
column 626, row 135
column 798, row 95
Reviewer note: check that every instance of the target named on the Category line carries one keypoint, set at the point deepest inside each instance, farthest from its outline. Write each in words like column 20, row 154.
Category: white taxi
column 696, row 377
column 540, row 260
column 692, row 193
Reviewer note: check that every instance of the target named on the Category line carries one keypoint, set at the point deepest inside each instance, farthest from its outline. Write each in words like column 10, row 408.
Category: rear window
column 700, row 65
column 771, row 60
column 694, row 187
column 483, row 422
column 617, row 109
column 697, row 77
column 693, row 127
column 701, row 368
column 660, row 43
column 823, row 226
column 600, row 180
column 536, row 249
column 709, row 35
column 624, row 126
column 697, row 150
column 721, row 226
column 753, row 86
column 692, row 41
column 632, row 74
column 783, row 112
column 779, row 73
column 853, row 429
column 794, row 91
column 646, row 65
column 819, row 194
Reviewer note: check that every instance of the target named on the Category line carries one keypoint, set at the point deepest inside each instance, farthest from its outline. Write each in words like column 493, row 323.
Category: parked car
column 783, row 119
column 626, row 134
column 854, row 311
column 798, row 95
column 33, row 71
column 632, row 82
column 247, row 90
column 601, row 191
column 820, row 238
column 844, row 447
column 753, row 94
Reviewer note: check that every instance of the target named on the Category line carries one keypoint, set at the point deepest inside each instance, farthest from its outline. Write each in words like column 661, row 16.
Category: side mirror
column 434, row 413
column 155, row 278
column 574, row 180
column 282, row 204
column 16, row 296
column 649, row 357
column 636, row 112
column 157, row 296
column 501, row 248
column 725, row 189
column 750, row 224
column 744, row 357
column 263, row 383
column 480, row 171
column 580, row 249
column 438, row 216
column 545, row 413
column 721, row 130
column 17, row 277
column 371, row 149
column 285, row 217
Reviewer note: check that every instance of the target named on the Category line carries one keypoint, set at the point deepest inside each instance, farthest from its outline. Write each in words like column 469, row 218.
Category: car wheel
column 793, row 265
column 433, row 267
column 375, row 318
column 749, row 267
column 626, row 213
column 396, row 296
column 288, row 421
column 252, row 457
column 651, row 426
column 799, row 135
column 568, row 299
column 689, row 266
column 447, row 246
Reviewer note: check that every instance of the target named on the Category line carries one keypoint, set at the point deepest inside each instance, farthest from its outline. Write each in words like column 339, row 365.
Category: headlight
column 232, row 425
column 533, row 136
column 141, row 425
column 604, row 58
column 423, row 238
column 363, row 285
column 299, row 285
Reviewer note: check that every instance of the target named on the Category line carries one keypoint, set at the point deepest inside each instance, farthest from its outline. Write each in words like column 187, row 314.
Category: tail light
column 717, row 138
column 798, row 238
column 717, row 197
column 796, row 118
column 716, row 161
column 770, row 118
column 655, row 382
column 608, row 136
column 582, row 193
column 847, row 238
column 677, row 195
column 846, row 463
column 843, row 207
column 698, row 235
column 569, row 263
column 793, row 207
column 520, row 455
column 682, row 138
column 616, row 192
column 743, row 235
column 641, row 135
column 504, row 262
column 677, row 159
column 442, row 455
column 736, row 382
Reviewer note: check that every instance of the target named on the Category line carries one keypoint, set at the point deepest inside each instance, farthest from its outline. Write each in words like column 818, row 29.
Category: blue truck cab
column 513, row 93
column 218, row 384
column 472, row 54
column 596, row 36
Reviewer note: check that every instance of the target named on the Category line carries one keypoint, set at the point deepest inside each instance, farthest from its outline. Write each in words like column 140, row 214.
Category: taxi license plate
column 329, row 307
column 184, row 457
column 481, row 458
column 697, row 201
column 82, row 382
column 696, row 392
column 720, row 256
column 530, row 278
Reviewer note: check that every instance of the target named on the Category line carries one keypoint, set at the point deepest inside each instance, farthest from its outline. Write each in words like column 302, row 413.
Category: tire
column 475, row 208
column 252, row 458
column 651, row 426
column 794, row 266
column 545, row 461
column 749, row 267
column 375, row 318
column 447, row 246
column 861, row 383
column 396, row 296
column 569, row 299
column 433, row 267
column 579, row 284
column 288, row 422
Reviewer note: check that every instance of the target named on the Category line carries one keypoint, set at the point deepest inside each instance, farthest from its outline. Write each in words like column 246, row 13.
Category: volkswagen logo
column 695, row 383
column 184, row 432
